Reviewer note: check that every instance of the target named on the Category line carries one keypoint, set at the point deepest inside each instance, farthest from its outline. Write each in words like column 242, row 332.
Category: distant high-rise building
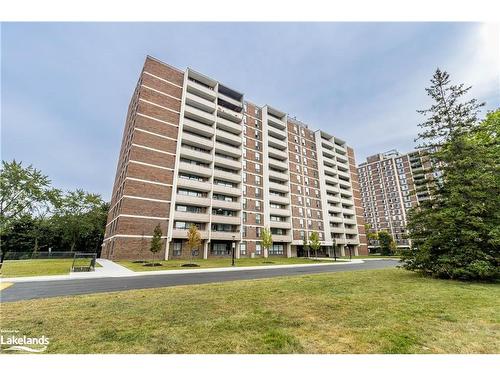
column 391, row 184
column 195, row 152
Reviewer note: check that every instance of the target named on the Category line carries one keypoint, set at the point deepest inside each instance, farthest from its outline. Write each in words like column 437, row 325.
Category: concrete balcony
column 225, row 236
column 345, row 174
column 228, row 150
column 280, row 224
column 226, row 190
column 278, row 175
column 281, row 238
column 327, row 154
column 224, row 136
column 278, row 187
column 194, row 140
column 352, row 241
column 336, row 229
column 349, row 211
column 347, row 201
column 198, row 128
column 334, row 219
column 227, row 176
column 278, row 199
column 204, row 157
column 200, row 90
column 340, row 241
column 193, row 184
column 277, row 164
column 279, row 211
column 195, row 201
column 340, row 150
column 331, row 180
column 191, row 216
column 342, row 160
column 350, row 221
column 334, row 209
column 276, row 143
column 235, row 206
column 333, row 198
column 230, row 100
column 195, row 169
column 200, row 103
column 182, row 233
column 330, row 170
column 198, row 115
column 277, row 123
column 222, row 219
column 229, row 114
column 277, row 153
column 276, row 133
column 225, row 162
column 350, row 230
column 229, row 126
column 332, row 189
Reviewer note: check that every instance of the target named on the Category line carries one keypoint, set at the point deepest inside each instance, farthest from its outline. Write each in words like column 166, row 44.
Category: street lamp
column 233, row 248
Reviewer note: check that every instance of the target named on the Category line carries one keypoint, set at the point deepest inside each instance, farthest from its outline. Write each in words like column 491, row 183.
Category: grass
column 376, row 311
column 36, row 267
column 176, row 264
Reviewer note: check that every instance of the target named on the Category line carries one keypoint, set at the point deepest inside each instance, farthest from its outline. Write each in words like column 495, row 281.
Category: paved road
column 44, row 289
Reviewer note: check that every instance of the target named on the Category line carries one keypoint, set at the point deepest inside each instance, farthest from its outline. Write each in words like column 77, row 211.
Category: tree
column 314, row 243
column 80, row 216
column 371, row 235
column 455, row 233
column 193, row 239
column 22, row 191
column 266, row 238
column 386, row 243
column 305, row 245
column 156, row 242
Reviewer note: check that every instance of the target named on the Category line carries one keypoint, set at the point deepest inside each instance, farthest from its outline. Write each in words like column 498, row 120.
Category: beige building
column 194, row 151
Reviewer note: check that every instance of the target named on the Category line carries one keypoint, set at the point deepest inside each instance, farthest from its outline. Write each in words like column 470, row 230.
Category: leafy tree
column 305, row 245
column 23, row 190
column 156, row 242
column 386, row 243
column 76, row 215
column 193, row 239
column 314, row 243
column 370, row 234
column 266, row 238
column 455, row 234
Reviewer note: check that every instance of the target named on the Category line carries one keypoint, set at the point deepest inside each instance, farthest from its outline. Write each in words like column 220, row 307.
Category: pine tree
column 455, row 233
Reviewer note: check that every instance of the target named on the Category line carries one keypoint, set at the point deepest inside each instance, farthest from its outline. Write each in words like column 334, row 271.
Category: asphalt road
column 45, row 289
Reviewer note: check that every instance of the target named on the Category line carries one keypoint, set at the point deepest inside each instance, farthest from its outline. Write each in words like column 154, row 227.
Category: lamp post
column 334, row 250
column 233, row 247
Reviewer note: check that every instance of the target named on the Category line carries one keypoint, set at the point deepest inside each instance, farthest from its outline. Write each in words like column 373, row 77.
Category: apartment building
column 195, row 151
column 391, row 183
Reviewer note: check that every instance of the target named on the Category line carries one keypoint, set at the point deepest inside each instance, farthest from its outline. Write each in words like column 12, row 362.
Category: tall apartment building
column 391, row 184
column 195, row 152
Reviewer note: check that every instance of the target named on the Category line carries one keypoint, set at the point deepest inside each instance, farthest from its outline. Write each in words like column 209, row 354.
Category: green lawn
column 381, row 311
column 36, row 267
column 176, row 264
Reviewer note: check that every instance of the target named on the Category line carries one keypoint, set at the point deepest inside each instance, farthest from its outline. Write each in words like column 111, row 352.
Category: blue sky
column 65, row 86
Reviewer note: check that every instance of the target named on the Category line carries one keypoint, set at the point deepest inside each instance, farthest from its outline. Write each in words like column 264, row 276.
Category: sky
column 65, row 87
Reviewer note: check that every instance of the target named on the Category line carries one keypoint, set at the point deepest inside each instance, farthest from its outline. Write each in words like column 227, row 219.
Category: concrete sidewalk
column 112, row 269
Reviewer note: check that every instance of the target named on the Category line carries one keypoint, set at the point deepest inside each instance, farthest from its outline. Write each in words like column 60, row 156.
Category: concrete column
column 237, row 250
column 342, row 250
column 288, row 250
column 167, row 245
column 265, row 253
column 205, row 250
column 356, row 250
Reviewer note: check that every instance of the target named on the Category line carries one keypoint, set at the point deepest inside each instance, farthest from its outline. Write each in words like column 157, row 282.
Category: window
column 244, row 217
column 257, row 192
column 257, row 180
column 257, row 232
column 244, row 176
column 257, row 205
column 257, row 218
column 221, row 248
column 257, row 167
column 243, row 248
column 257, row 248
column 276, row 249
column 177, row 248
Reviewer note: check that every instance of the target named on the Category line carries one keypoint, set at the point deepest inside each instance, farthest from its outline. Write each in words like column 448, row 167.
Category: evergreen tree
column 455, row 234
column 386, row 243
